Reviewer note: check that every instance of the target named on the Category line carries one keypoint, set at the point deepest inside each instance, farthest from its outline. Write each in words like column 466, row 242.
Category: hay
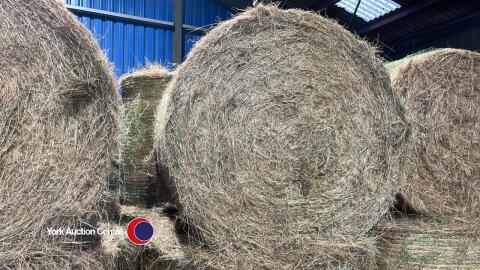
column 279, row 132
column 141, row 91
column 441, row 94
column 393, row 65
column 427, row 244
column 57, row 126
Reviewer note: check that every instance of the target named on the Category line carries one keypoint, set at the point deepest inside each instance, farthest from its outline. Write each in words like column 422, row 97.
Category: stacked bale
column 141, row 92
column 428, row 244
column 57, row 125
column 441, row 96
column 281, row 134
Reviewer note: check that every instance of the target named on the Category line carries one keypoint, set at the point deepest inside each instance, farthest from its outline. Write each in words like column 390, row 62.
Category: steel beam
column 119, row 16
column 178, row 34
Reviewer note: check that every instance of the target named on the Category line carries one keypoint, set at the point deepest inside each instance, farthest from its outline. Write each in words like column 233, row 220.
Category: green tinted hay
column 141, row 91
column 427, row 244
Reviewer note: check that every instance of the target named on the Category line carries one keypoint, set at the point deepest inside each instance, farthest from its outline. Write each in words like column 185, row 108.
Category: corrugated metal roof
column 368, row 10
column 425, row 20
column 416, row 21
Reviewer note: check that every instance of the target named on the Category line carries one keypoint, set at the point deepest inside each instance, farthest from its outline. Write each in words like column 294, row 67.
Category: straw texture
column 441, row 95
column 282, row 137
column 428, row 244
column 57, row 130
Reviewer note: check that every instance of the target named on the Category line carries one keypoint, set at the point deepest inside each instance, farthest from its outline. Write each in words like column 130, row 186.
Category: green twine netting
column 134, row 176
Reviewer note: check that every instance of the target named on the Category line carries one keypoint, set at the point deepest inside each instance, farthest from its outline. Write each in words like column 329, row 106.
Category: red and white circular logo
column 140, row 231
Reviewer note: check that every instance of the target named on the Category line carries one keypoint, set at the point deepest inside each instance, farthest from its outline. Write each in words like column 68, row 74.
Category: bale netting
column 441, row 95
column 57, row 124
column 428, row 244
column 141, row 93
column 281, row 134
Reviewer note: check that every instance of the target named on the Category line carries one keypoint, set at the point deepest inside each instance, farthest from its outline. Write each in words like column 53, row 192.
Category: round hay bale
column 280, row 133
column 427, row 244
column 57, row 126
column 141, row 92
column 441, row 96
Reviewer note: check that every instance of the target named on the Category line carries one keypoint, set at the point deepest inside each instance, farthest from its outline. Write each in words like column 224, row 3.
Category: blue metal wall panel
column 130, row 7
column 131, row 45
column 201, row 13
column 189, row 41
column 204, row 13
